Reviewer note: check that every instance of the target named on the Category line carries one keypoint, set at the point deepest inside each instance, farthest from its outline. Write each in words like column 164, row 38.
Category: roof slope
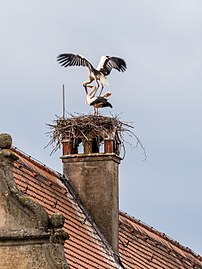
column 140, row 245
column 85, row 248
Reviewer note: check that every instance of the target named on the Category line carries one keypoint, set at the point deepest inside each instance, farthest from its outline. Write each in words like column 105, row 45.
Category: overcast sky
column 161, row 41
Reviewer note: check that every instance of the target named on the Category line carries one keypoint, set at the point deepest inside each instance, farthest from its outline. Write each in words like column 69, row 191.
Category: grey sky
column 161, row 42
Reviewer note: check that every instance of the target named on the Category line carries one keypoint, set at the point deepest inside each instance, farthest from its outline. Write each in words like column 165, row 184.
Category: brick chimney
column 93, row 173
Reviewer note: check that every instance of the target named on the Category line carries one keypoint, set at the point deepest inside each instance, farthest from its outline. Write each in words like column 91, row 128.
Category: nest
column 85, row 127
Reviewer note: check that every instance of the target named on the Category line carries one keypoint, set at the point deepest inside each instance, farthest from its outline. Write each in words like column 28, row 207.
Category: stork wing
column 69, row 59
column 100, row 102
column 107, row 63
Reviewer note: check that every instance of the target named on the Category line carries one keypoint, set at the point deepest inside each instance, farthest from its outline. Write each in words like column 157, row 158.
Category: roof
column 140, row 246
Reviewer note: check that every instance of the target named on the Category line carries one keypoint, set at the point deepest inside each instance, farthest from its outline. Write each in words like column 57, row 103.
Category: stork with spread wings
column 105, row 66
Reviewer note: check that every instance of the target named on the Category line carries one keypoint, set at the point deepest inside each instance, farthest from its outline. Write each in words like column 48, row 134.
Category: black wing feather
column 70, row 59
column 113, row 62
column 101, row 101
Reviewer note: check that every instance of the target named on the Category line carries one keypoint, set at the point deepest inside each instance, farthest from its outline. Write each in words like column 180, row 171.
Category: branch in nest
column 85, row 127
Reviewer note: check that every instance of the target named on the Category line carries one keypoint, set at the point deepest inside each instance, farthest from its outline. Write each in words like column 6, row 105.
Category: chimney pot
column 87, row 144
column 66, row 147
column 108, row 146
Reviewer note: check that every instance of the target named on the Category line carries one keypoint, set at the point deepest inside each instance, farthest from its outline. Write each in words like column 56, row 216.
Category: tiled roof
column 85, row 248
column 140, row 246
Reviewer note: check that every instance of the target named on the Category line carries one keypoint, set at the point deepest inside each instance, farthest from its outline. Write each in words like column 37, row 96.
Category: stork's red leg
column 86, row 83
column 85, row 88
column 101, row 90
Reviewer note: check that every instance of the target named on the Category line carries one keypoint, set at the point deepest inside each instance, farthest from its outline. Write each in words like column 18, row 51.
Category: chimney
column 93, row 172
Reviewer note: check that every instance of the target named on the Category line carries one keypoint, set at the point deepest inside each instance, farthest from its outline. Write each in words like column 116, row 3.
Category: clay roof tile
column 140, row 246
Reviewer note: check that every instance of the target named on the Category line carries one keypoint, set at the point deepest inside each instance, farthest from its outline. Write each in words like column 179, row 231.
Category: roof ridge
column 161, row 234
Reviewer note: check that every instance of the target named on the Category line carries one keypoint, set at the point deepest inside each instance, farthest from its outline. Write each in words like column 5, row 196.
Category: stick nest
column 84, row 127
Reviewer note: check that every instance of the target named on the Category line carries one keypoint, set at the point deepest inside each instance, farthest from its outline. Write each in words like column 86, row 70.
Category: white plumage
column 97, row 101
column 105, row 66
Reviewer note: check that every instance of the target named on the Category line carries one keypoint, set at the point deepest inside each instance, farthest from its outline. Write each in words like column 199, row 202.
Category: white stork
column 97, row 101
column 105, row 66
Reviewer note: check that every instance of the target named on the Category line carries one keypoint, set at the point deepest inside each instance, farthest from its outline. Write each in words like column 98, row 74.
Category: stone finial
column 57, row 220
column 26, row 239
column 5, row 141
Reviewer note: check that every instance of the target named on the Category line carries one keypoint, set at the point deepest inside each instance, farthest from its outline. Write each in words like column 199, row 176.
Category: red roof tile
column 140, row 246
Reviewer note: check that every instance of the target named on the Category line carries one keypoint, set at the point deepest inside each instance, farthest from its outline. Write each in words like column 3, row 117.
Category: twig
column 82, row 127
